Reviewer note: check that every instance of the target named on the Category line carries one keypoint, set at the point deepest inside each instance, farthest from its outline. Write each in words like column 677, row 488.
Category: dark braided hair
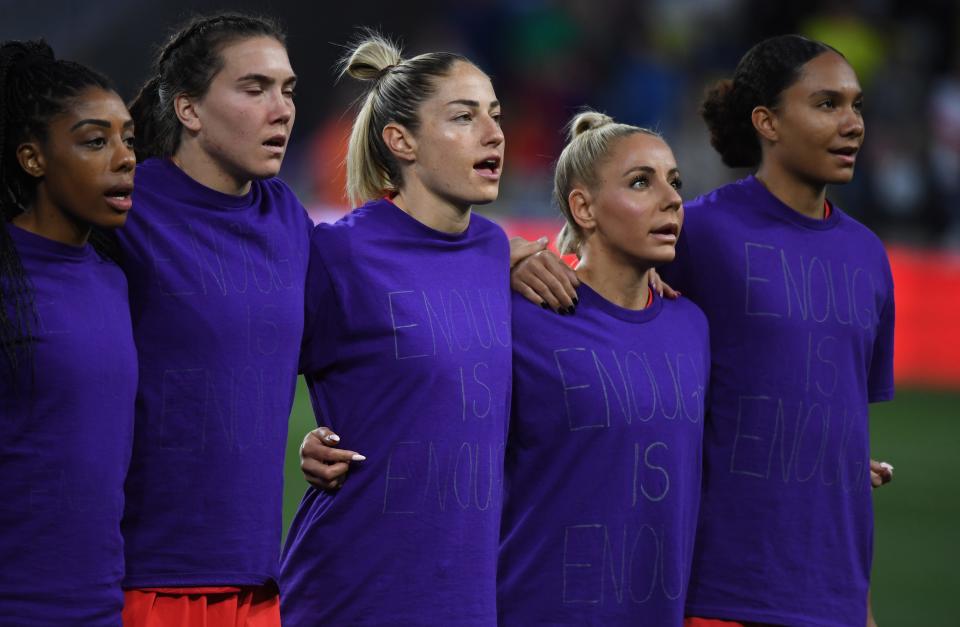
column 187, row 64
column 34, row 87
column 762, row 75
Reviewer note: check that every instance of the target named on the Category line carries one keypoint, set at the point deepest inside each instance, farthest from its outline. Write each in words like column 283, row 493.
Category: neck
column 431, row 210
column 202, row 168
column 621, row 281
column 803, row 197
column 53, row 225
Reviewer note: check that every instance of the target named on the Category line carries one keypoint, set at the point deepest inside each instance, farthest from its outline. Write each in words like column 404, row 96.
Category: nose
column 283, row 108
column 672, row 201
column 852, row 123
column 124, row 158
column 493, row 134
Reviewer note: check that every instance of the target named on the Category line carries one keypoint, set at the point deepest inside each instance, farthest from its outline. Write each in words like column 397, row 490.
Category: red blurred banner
column 927, row 288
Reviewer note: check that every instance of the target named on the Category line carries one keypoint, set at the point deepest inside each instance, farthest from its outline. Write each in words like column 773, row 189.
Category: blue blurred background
column 648, row 62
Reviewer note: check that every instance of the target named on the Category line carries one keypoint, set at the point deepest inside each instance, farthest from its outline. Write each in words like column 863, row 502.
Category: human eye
column 640, row 181
column 463, row 117
column 677, row 183
column 128, row 141
column 826, row 103
column 95, row 142
column 497, row 117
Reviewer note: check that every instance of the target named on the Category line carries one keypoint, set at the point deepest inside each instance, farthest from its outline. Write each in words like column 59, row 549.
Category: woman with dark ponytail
column 787, row 523
column 216, row 257
column 68, row 365
column 799, row 297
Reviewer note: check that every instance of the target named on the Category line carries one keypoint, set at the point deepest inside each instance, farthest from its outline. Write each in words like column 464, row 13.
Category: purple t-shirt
column 602, row 480
column 65, row 446
column 216, row 295
column 801, row 325
column 407, row 356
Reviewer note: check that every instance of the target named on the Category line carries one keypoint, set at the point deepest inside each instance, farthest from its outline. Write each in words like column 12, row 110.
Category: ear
column 186, row 111
column 30, row 158
column 400, row 142
column 765, row 122
column 581, row 208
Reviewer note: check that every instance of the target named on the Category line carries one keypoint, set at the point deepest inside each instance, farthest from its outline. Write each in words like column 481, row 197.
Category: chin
column 111, row 223
column 484, row 199
column 841, row 177
column 266, row 171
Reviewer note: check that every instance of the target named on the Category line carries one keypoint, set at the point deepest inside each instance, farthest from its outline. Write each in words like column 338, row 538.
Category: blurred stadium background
column 647, row 62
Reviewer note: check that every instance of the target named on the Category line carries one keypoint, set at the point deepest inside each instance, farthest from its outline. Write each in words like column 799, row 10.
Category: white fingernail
column 333, row 437
column 887, row 466
column 357, row 457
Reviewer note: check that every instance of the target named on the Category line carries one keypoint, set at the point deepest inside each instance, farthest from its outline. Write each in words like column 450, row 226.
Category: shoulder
column 279, row 196
column 111, row 272
column 485, row 226
column 362, row 223
column 490, row 234
column 685, row 313
column 532, row 323
column 150, row 170
column 856, row 229
column 720, row 201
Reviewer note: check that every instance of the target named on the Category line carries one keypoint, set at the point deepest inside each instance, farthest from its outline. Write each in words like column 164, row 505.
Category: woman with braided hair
column 216, row 260
column 68, row 364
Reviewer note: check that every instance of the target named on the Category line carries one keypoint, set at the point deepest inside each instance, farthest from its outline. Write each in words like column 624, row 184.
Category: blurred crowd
column 648, row 63
column 643, row 61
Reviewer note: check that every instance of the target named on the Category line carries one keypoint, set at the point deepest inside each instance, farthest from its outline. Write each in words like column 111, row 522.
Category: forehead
column 464, row 82
column 828, row 71
column 255, row 55
column 638, row 150
column 93, row 103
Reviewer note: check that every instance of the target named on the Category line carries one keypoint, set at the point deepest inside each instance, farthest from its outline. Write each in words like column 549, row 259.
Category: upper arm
column 321, row 319
column 880, row 378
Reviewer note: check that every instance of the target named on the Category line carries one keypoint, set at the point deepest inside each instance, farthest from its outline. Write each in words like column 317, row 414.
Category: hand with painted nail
column 881, row 473
column 661, row 287
column 325, row 466
column 541, row 276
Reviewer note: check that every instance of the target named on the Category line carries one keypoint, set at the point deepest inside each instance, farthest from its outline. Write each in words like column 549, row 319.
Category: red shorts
column 211, row 606
column 694, row 621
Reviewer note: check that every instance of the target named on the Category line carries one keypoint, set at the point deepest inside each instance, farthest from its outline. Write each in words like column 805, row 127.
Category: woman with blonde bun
column 407, row 351
column 602, row 481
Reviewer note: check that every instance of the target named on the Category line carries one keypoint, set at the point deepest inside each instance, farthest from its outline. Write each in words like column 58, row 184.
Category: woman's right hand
column 325, row 466
column 541, row 276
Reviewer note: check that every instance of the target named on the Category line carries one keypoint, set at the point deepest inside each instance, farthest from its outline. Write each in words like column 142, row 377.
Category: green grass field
column 917, row 515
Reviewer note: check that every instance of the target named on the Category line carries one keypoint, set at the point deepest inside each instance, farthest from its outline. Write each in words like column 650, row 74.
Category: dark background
column 648, row 63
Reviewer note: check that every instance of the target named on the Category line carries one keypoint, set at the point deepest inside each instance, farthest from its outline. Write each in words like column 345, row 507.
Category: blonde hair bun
column 372, row 55
column 588, row 121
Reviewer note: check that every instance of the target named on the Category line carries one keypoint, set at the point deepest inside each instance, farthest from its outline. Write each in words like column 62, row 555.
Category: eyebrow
column 264, row 79
column 96, row 122
column 648, row 170
column 832, row 93
column 472, row 103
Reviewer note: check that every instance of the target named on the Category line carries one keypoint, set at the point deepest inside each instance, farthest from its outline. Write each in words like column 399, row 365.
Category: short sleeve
column 880, row 379
column 321, row 313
